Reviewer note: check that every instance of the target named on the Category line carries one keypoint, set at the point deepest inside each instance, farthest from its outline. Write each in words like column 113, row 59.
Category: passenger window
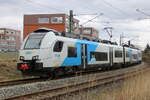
column 127, row 54
column 99, row 56
column 135, row 56
column 72, row 52
column 58, row 46
column 139, row 54
column 118, row 53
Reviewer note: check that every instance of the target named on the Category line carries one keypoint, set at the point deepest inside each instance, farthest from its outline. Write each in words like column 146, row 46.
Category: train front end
column 33, row 52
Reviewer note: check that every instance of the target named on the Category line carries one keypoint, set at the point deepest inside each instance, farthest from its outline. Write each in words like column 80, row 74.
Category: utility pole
column 70, row 21
column 121, row 39
column 81, row 31
column 129, row 42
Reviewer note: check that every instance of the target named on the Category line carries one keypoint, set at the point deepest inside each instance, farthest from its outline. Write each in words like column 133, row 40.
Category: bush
column 146, row 57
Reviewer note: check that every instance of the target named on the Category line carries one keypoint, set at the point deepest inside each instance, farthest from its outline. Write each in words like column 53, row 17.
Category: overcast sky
column 119, row 14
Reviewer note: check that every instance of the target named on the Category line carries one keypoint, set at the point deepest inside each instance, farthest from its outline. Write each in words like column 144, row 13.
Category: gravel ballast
column 25, row 89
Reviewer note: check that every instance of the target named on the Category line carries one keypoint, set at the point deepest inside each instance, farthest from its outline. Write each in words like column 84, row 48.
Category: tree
column 147, row 49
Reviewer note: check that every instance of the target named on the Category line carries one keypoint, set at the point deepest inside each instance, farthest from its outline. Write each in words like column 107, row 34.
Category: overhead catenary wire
column 84, row 14
column 92, row 19
column 112, row 6
column 142, row 12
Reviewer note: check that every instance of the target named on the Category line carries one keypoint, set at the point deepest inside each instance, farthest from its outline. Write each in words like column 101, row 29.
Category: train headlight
column 21, row 58
column 35, row 57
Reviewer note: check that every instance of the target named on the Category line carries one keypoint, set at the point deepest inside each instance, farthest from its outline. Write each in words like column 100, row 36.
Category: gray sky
column 119, row 14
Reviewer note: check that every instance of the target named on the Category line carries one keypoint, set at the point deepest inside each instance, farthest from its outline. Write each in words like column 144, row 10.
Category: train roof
column 85, row 40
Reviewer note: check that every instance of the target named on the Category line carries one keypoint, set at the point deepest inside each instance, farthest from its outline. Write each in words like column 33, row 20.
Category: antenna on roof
column 109, row 31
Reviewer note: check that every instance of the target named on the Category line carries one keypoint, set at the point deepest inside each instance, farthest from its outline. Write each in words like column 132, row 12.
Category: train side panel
column 98, row 54
column 118, row 55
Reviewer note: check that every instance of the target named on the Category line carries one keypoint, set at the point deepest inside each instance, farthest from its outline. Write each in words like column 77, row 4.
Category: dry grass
column 9, row 56
column 136, row 88
column 8, row 70
column 8, row 63
column 146, row 57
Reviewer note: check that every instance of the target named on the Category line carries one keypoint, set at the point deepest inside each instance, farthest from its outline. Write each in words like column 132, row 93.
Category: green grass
column 9, row 56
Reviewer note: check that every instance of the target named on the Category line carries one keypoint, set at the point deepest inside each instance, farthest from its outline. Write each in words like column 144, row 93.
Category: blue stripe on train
column 70, row 61
column 91, row 46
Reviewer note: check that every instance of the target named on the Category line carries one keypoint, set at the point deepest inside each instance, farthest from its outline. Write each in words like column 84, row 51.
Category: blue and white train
column 45, row 52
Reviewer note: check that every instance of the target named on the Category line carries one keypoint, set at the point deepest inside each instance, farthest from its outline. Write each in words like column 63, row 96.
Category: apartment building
column 59, row 22
column 10, row 40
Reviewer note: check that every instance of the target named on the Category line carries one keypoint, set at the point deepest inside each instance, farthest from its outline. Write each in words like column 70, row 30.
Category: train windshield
column 34, row 41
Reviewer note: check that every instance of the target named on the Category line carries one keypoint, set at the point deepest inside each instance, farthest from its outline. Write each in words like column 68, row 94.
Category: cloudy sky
column 119, row 14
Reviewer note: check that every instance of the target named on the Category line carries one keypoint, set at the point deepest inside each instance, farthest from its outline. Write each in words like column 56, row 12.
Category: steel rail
column 87, row 83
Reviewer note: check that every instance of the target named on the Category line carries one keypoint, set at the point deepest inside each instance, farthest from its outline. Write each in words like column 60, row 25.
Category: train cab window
column 72, row 52
column 118, row 53
column 58, row 46
column 34, row 41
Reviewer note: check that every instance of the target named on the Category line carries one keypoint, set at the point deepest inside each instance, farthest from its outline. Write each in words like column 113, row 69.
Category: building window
column 58, row 46
column 1, row 31
column 17, row 32
column 56, row 19
column 7, row 37
column 72, row 52
column 11, row 43
column 3, row 43
column 99, row 56
column 86, row 31
column 12, row 32
column 8, row 32
column 3, row 37
column 12, row 49
column 43, row 20
column 118, row 53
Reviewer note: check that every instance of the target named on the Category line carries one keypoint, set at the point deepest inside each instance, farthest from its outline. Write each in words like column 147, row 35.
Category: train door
column 111, row 56
column 84, row 55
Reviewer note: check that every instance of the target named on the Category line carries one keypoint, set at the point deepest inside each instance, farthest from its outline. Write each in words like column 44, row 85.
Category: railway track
column 54, row 88
column 30, row 80
column 20, row 81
